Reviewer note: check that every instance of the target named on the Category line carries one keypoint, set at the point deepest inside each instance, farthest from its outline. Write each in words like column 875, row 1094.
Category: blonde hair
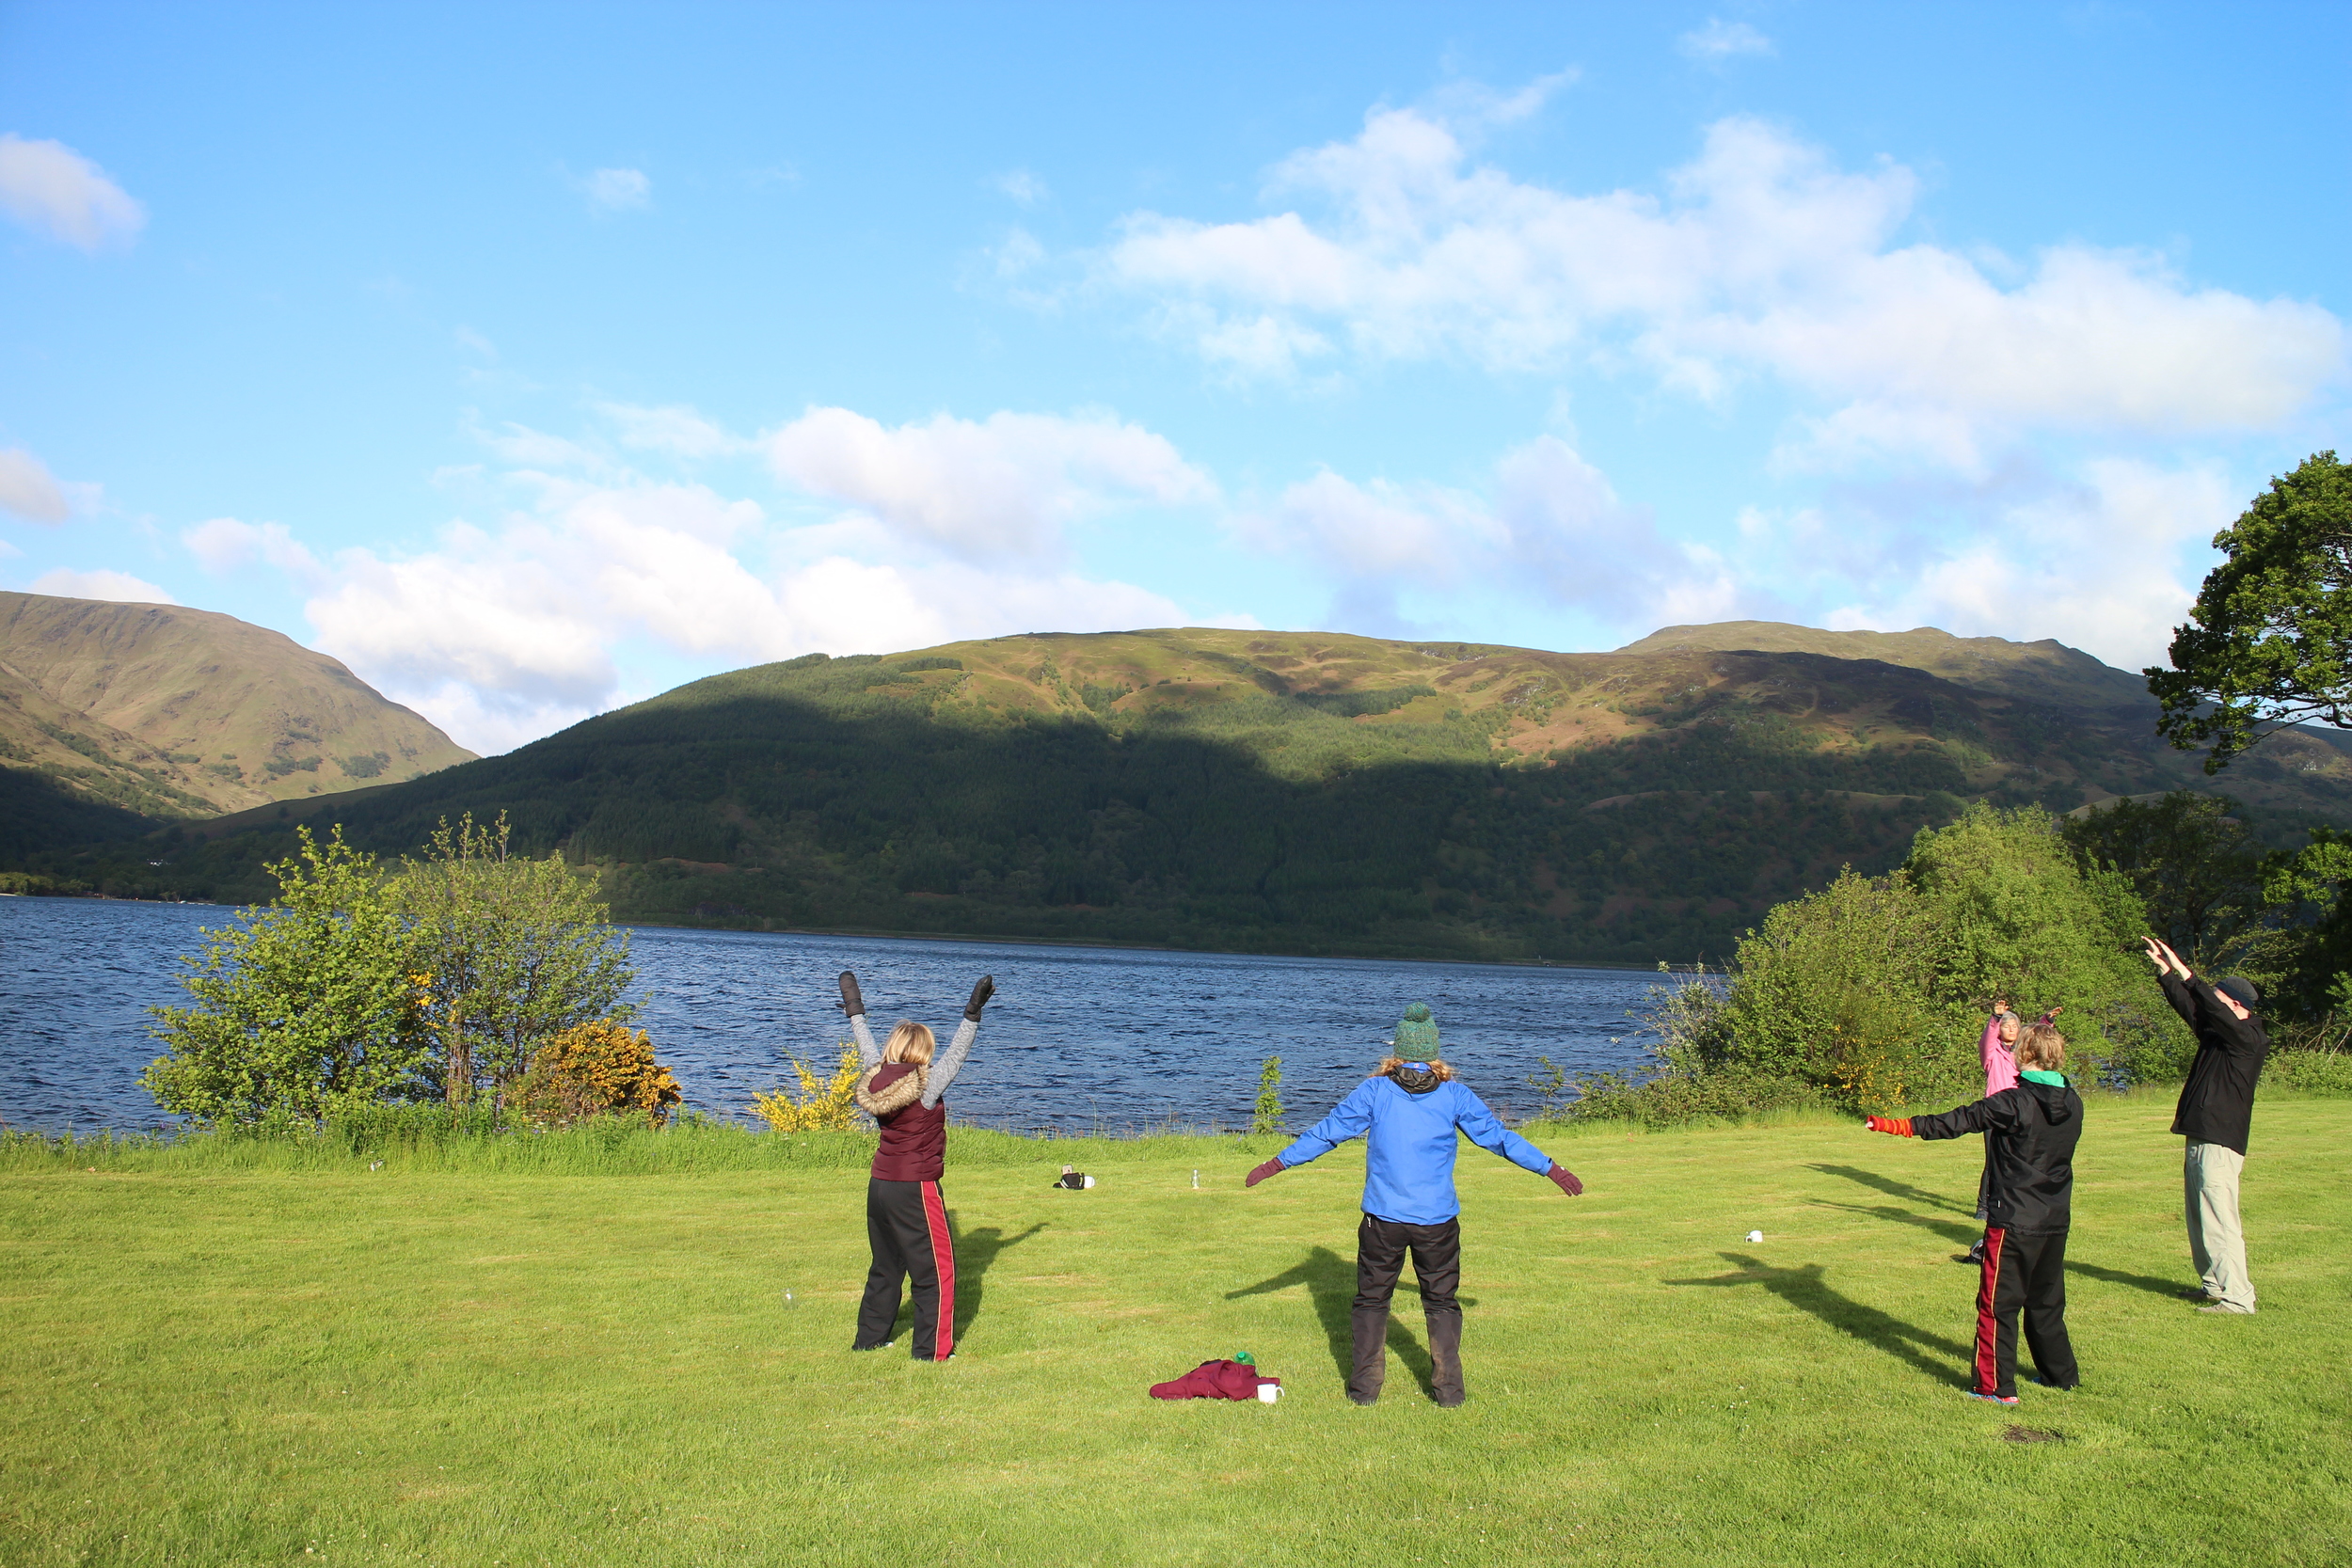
column 1388, row 1066
column 2041, row 1048
column 910, row 1043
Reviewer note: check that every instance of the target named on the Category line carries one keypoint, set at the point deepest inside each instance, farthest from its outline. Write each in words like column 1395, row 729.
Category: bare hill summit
column 173, row 712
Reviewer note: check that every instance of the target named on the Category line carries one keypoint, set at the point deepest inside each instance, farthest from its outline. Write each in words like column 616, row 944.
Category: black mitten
column 851, row 1002
column 980, row 993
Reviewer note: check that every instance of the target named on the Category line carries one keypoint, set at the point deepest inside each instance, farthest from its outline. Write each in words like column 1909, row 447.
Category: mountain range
column 1299, row 792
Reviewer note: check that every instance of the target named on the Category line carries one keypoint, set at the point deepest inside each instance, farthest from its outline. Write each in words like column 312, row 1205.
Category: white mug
column 1269, row 1392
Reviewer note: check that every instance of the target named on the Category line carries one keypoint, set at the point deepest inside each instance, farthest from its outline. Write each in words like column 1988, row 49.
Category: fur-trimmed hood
column 890, row 1088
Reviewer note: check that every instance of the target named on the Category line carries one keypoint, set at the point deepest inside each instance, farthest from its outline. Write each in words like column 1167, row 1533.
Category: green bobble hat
column 1417, row 1034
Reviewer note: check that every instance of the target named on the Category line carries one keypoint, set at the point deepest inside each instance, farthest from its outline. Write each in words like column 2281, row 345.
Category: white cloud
column 618, row 190
column 2101, row 561
column 1022, row 185
column 1008, row 485
column 224, row 544
column 118, row 587
column 505, row 632
column 1550, row 527
column 29, row 490
column 53, row 190
column 1759, row 257
column 1720, row 41
column 676, row 430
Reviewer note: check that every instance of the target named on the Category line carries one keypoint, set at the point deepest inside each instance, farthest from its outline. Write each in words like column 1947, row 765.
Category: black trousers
column 1381, row 1247
column 906, row 1225
column 2028, row 1272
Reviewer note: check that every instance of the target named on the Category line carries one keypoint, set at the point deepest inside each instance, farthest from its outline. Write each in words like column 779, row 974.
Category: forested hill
column 1289, row 791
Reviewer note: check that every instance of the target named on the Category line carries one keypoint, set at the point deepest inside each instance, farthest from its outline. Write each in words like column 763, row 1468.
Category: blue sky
column 533, row 360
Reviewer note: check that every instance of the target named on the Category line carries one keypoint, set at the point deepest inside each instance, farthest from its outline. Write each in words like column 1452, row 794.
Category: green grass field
column 333, row 1364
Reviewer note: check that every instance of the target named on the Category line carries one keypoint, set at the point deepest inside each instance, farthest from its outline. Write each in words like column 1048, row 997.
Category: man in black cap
column 2217, row 1108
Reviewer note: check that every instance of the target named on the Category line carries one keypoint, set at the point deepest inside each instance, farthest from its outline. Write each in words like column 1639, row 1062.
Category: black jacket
column 2217, row 1101
column 2035, row 1128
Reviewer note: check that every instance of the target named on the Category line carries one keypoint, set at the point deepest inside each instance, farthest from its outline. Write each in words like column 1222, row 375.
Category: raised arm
column 950, row 1061
column 854, row 1003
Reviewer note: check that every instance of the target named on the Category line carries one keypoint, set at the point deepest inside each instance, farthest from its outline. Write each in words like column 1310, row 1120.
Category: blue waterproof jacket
column 1410, row 1145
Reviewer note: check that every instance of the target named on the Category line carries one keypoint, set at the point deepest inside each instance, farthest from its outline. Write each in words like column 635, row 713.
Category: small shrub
column 593, row 1069
column 822, row 1105
column 1267, row 1114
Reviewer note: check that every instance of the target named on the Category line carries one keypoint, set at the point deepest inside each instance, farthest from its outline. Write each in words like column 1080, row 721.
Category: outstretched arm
column 1350, row 1118
column 1483, row 1128
column 854, row 1003
column 950, row 1062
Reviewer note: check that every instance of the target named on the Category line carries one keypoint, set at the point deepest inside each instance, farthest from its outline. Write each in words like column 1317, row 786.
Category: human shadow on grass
column 1893, row 1188
column 975, row 1251
column 1969, row 1233
column 1963, row 1234
column 1805, row 1289
column 2118, row 1276
column 1330, row 1281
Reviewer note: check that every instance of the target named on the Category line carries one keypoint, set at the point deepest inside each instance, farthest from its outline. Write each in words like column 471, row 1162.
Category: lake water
column 1077, row 1037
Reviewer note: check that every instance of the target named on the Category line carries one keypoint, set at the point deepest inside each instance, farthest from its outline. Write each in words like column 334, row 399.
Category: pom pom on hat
column 1417, row 1034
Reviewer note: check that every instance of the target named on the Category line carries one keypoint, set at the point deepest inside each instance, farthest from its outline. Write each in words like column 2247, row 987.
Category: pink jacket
column 2000, row 1062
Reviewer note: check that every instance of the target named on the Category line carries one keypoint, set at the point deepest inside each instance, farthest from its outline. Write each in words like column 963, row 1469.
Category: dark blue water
column 1078, row 1037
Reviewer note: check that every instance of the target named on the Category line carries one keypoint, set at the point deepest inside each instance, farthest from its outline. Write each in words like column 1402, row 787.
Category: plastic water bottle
column 1196, row 1181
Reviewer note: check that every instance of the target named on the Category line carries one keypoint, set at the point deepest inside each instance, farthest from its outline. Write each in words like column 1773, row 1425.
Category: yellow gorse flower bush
column 595, row 1069
column 822, row 1105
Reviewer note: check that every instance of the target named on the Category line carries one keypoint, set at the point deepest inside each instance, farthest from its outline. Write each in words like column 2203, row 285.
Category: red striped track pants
column 906, row 1224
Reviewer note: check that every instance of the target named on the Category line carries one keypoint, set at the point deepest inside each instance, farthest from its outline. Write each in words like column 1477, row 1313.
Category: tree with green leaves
column 509, row 952
column 2196, row 866
column 1873, row 989
column 304, row 1007
column 1267, row 1114
column 2269, row 643
column 2310, row 979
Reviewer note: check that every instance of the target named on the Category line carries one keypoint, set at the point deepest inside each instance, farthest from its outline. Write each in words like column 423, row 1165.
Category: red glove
column 1899, row 1126
column 1269, row 1168
column 1564, row 1179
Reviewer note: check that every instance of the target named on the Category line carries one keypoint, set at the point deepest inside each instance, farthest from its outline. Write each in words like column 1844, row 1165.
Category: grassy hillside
column 1271, row 791
column 184, row 713
column 414, row 1365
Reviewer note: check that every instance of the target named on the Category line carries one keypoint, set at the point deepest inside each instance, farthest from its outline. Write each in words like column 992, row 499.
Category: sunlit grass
column 485, row 1366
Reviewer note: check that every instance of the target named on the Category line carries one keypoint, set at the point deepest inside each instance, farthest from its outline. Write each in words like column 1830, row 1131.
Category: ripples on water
column 1077, row 1037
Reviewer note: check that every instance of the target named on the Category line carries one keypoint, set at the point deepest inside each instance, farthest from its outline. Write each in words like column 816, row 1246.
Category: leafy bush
column 1871, row 994
column 304, row 1008
column 593, row 1069
column 823, row 1105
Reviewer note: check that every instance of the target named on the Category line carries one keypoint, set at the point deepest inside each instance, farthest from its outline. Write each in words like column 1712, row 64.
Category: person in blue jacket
column 1408, row 1112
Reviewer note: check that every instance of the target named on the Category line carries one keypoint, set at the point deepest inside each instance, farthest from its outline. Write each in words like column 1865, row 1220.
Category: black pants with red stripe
column 906, row 1224
column 2028, row 1271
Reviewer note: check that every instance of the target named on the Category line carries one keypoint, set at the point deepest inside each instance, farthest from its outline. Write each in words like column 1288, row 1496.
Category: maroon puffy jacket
column 914, row 1138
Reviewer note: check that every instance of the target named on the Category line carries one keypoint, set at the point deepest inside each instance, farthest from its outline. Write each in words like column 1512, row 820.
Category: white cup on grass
column 1269, row 1392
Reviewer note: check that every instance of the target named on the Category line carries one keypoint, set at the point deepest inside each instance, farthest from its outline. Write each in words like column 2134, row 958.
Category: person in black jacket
column 2034, row 1127
column 2214, row 1113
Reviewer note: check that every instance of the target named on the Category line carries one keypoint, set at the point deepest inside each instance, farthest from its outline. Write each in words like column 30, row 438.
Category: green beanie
column 1417, row 1034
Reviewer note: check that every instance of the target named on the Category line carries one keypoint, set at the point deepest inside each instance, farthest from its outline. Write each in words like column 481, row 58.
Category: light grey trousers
column 2216, row 1239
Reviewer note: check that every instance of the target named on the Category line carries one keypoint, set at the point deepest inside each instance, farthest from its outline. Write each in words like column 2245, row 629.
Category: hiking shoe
column 2061, row 1387
column 1991, row 1399
column 2200, row 1293
column 2232, row 1311
column 1366, row 1402
column 882, row 1345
